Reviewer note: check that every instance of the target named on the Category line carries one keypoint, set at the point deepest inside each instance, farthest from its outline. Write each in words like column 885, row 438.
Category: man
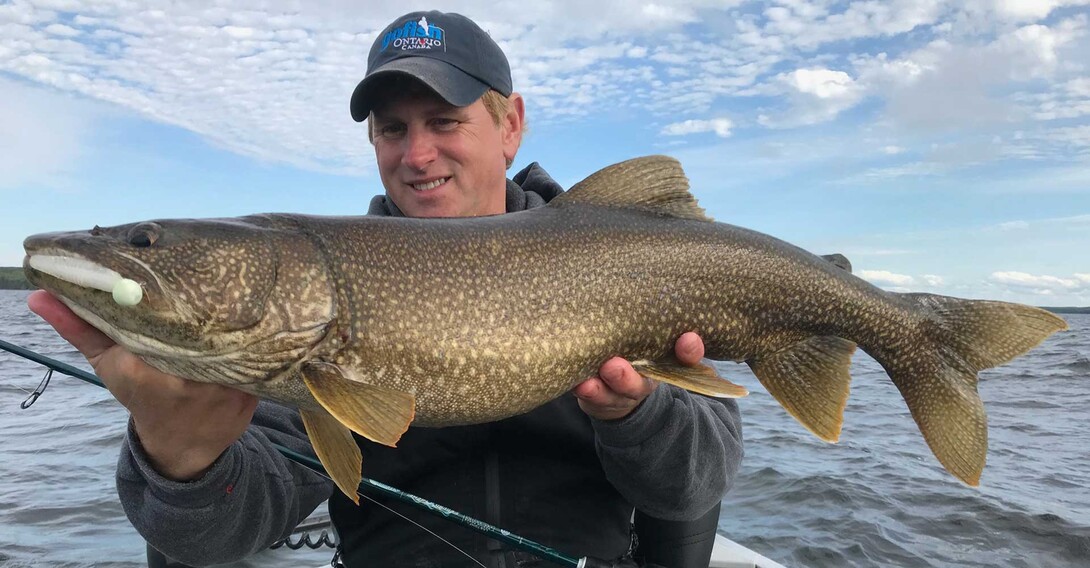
column 199, row 480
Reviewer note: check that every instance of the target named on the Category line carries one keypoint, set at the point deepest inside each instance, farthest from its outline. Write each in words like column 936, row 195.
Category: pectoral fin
column 700, row 379
column 377, row 413
column 337, row 450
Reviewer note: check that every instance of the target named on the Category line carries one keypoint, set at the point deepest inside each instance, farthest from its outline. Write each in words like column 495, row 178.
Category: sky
column 943, row 147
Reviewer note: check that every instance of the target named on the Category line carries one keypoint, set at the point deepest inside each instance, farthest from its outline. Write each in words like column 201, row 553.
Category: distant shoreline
column 12, row 278
column 1067, row 310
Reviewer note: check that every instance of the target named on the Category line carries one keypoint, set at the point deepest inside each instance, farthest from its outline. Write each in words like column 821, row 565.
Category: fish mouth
column 86, row 287
column 74, row 270
column 64, row 271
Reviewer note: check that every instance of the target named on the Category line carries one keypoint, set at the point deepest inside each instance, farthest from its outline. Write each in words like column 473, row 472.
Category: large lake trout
column 370, row 324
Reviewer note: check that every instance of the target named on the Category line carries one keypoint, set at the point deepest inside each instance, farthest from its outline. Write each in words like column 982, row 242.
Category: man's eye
column 390, row 130
column 444, row 123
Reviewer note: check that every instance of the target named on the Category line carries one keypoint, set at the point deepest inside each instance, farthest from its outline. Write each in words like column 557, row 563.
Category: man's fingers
column 689, row 349
column 619, row 377
column 88, row 340
column 618, row 389
column 589, row 389
column 614, row 392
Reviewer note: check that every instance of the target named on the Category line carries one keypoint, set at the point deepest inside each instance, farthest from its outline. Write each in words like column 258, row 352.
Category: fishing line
column 32, row 397
column 425, row 529
column 38, row 391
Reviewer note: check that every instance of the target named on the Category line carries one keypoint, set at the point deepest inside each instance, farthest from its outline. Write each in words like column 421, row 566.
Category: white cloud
column 1031, row 10
column 1069, row 135
column 978, row 82
column 1037, row 42
column 1068, row 100
column 933, row 280
column 1058, row 290
column 61, row 30
column 1079, row 87
column 880, row 277
column 1034, row 50
column 907, row 170
column 1076, row 222
column 1044, row 142
column 879, row 71
column 721, row 127
column 807, row 26
column 666, row 13
column 817, row 95
column 271, row 80
column 1029, row 51
column 946, row 89
column 1077, row 282
column 822, row 83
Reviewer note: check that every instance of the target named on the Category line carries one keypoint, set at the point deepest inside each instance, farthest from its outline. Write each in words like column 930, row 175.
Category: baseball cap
column 448, row 52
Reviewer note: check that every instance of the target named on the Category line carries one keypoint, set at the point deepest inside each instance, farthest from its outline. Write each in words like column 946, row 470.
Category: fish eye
column 144, row 235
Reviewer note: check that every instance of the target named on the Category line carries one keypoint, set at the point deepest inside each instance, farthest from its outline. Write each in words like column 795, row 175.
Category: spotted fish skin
column 369, row 324
column 482, row 306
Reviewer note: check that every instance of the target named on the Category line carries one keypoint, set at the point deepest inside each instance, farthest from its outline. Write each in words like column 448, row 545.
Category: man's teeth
column 429, row 185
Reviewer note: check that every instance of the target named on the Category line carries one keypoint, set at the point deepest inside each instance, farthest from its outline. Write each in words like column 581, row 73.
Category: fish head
column 246, row 295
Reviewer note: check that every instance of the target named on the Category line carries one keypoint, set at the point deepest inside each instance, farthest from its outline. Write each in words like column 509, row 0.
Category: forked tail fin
column 937, row 372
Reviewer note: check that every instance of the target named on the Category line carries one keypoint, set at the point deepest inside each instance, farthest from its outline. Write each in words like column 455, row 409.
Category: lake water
column 878, row 498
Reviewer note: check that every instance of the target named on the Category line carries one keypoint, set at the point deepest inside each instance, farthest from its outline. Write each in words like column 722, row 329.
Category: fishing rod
column 524, row 544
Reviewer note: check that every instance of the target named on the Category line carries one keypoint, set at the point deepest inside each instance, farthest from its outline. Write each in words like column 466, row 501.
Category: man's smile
column 428, row 185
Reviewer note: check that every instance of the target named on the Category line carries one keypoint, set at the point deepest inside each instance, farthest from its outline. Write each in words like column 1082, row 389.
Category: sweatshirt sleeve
column 250, row 498
column 676, row 455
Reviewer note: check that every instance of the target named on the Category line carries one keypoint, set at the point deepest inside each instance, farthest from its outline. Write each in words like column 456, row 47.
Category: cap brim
column 452, row 84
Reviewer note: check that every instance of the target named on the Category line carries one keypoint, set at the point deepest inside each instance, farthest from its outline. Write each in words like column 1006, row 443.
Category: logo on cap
column 415, row 35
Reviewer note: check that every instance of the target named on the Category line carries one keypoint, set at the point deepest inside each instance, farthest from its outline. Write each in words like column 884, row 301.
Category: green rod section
column 439, row 510
column 482, row 527
column 54, row 364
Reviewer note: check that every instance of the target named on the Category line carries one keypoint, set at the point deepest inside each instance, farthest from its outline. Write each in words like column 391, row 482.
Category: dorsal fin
column 655, row 184
column 839, row 260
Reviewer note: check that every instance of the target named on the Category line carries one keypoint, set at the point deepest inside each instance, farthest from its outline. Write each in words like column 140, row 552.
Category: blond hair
column 496, row 104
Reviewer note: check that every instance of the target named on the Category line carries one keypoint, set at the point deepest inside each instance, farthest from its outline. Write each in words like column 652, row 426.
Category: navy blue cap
column 448, row 52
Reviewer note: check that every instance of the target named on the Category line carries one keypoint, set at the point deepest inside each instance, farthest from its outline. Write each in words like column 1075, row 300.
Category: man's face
column 439, row 160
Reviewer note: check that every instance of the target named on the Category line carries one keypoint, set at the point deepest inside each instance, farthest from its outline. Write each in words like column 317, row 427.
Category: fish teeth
column 429, row 185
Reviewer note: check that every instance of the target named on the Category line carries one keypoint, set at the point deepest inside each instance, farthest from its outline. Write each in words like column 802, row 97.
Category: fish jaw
column 72, row 263
column 221, row 298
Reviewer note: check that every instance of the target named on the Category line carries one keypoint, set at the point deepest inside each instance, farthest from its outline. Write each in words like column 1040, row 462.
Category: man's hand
column 183, row 425
column 617, row 389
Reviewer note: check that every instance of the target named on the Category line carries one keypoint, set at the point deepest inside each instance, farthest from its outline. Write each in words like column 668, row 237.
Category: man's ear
column 512, row 126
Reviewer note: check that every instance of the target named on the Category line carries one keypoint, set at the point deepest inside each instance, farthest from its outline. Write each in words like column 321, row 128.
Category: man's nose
column 420, row 149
